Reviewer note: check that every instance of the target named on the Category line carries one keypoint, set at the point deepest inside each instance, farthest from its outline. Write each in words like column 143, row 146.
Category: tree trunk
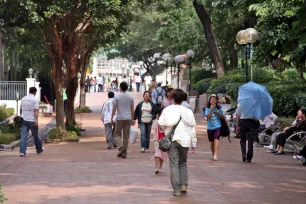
column 83, row 63
column 210, row 37
column 72, row 85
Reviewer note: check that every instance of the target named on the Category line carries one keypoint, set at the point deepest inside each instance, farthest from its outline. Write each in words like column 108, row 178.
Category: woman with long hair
column 213, row 113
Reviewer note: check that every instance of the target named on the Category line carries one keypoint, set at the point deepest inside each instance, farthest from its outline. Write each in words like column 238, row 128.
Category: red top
column 161, row 133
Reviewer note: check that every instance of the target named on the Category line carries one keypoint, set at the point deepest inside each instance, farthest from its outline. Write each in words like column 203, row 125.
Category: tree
column 210, row 37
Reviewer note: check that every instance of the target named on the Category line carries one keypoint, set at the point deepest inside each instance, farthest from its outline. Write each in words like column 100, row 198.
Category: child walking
column 213, row 112
column 159, row 156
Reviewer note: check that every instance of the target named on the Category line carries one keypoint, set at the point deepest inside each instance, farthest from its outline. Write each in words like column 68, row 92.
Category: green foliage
column 285, row 121
column 264, row 75
column 290, row 74
column 198, row 74
column 229, row 78
column 203, row 85
column 75, row 129
column 9, row 132
column 6, row 112
column 62, row 135
column 83, row 110
column 2, row 198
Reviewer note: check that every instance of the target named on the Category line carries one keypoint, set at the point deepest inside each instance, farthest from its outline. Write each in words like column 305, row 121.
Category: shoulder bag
column 165, row 142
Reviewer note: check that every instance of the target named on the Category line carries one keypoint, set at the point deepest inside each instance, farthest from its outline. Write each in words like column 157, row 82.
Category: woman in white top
column 145, row 113
column 138, row 82
column 183, row 138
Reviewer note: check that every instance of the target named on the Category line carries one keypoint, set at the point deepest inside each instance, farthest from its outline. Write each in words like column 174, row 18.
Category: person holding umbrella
column 254, row 102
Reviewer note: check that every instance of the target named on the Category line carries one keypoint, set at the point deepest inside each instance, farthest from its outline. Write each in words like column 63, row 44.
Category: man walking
column 106, row 117
column 247, row 127
column 29, row 112
column 87, row 84
column 124, row 105
column 158, row 95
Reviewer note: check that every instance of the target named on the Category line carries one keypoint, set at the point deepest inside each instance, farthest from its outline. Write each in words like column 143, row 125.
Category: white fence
column 9, row 90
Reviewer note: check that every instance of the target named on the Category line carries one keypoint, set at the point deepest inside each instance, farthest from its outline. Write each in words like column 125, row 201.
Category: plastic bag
column 133, row 135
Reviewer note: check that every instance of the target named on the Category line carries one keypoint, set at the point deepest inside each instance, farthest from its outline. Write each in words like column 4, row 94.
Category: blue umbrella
column 255, row 100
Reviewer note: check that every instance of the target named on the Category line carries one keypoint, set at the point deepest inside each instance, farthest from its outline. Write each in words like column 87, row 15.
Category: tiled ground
column 88, row 173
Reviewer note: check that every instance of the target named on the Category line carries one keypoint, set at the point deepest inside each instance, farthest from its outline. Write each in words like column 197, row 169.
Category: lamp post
column 190, row 54
column 179, row 59
column 17, row 99
column 246, row 38
column 167, row 57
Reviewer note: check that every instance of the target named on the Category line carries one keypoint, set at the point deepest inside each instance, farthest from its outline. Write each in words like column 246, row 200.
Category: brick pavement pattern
column 88, row 173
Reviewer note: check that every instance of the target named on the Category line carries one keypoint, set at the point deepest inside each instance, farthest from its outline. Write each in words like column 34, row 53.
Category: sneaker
column 147, row 150
column 114, row 145
column 301, row 159
column 156, row 171
column 142, row 150
column 215, row 158
column 176, row 194
column 269, row 147
column 109, row 147
column 256, row 144
column 183, row 190
column 296, row 157
column 22, row 155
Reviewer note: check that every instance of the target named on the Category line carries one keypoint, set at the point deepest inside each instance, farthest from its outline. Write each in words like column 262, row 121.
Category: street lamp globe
column 179, row 58
column 190, row 53
column 167, row 57
column 241, row 37
column 156, row 55
column 252, row 35
column 160, row 62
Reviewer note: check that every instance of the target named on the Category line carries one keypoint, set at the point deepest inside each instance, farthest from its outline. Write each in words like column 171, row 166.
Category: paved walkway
column 88, row 173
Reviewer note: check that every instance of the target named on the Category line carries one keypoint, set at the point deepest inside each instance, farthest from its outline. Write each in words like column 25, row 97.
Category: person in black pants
column 247, row 127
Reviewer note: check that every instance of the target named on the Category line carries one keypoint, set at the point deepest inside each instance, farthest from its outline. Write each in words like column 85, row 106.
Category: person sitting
column 272, row 146
column 269, row 125
column 300, row 125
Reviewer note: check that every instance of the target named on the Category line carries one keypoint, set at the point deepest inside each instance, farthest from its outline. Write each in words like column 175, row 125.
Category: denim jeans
column 145, row 129
column 25, row 127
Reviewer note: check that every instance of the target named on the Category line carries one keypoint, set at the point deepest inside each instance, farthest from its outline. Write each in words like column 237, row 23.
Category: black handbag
column 165, row 142
column 224, row 130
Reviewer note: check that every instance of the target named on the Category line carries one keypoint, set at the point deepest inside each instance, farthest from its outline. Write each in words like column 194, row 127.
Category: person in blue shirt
column 213, row 113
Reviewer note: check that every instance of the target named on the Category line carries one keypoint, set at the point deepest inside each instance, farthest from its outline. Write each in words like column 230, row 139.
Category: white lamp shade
column 179, row 58
column 241, row 37
column 252, row 35
column 160, row 62
column 167, row 57
column 190, row 53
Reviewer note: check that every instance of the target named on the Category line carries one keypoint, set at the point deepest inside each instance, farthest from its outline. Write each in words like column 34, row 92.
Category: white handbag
column 133, row 135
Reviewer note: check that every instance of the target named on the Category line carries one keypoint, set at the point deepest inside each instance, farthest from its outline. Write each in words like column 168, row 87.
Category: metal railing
column 10, row 89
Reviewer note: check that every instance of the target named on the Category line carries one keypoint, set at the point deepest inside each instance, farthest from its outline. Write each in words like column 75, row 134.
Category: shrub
column 2, row 198
column 198, row 74
column 75, row 129
column 62, row 135
column 264, row 75
column 203, row 85
column 290, row 74
column 6, row 112
column 230, row 77
column 9, row 132
column 83, row 110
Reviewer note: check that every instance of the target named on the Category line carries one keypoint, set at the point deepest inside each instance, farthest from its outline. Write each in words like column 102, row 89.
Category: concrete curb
column 43, row 134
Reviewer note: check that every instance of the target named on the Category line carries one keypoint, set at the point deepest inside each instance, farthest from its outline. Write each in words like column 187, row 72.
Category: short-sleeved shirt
column 213, row 122
column 242, row 114
column 158, row 90
column 148, row 79
column 124, row 100
column 28, row 104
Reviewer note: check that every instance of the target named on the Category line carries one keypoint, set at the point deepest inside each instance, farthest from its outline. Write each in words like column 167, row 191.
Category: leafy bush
column 9, row 132
column 290, row 74
column 264, row 75
column 2, row 198
column 6, row 112
column 62, row 135
column 75, row 129
column 83, row 110
column 203, row 85
column 230, row 77
column 198, row 74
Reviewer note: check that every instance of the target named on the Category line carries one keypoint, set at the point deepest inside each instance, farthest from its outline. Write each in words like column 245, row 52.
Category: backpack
column 224, row 130
column 159, row 98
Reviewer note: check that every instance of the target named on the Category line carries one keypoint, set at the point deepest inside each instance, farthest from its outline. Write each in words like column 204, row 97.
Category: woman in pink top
column 159, row 156
column 168, row 100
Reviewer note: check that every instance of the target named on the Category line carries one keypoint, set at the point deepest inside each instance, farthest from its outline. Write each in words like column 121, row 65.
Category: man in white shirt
column 148, row 80
column 29, row 112
column 159, row 79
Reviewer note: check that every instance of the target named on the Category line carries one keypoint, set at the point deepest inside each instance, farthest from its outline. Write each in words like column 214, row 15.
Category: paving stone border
column 43, row 134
